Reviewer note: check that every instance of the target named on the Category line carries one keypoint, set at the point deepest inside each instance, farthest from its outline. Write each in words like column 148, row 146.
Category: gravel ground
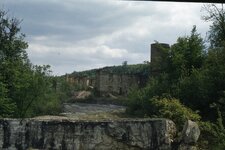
column 84, row 111
column 91, row 108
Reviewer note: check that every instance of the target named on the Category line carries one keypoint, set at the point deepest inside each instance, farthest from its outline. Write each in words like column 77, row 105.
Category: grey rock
column 190, row 133
column 125, row 134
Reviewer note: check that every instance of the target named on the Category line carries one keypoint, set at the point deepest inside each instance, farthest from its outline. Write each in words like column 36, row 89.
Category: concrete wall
column 115, row 83
column 151, row 134
column 82, row 82
column 106, row 83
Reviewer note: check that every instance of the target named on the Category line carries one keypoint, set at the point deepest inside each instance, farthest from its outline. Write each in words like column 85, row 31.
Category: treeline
column 191, row 84
column 134, row 69
column 26, row 90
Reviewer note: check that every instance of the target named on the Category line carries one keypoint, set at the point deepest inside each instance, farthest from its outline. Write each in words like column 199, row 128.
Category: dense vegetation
column 25, row 89
column 191, row 84
column 135, row 69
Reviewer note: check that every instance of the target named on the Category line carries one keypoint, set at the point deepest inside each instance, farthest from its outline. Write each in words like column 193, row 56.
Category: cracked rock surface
column 63, row 134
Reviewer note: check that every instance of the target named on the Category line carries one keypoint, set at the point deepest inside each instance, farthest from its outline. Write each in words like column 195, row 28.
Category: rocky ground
column 85, row 111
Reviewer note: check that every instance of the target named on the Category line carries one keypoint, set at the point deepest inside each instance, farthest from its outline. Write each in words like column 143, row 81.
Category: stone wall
column 105, row 83
column 115, row 83
column 82, row 82
column 151, row 134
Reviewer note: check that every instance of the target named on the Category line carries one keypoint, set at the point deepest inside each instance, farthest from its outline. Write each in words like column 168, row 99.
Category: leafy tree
column 12, row 58
column 23, row 86
column 216, row 14
column 215, row 73
column 192, row 90
column 196, row 77
column 7, row 106
column 186, row 54
column 45, row 100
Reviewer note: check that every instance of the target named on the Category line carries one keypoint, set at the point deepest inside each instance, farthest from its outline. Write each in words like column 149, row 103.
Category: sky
column 77, row 35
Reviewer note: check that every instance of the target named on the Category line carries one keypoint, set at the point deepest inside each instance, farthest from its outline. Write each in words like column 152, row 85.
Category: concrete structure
column 82, row 82
column 117, row 84
column 105, row 82
column 157, row 53
column 149, row 134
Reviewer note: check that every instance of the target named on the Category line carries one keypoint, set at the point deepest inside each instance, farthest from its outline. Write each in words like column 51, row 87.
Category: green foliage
column 48, row 104
column 186, row 54
column 23, row 86
column 7, row 106
column 171, row 108
column 192, row 90
column 42, row 97
column 65, row 89
column 162, row 107
column 13, row 59
column 216, row 14
column 195, row 77
column 212, row 134
column 137, row 69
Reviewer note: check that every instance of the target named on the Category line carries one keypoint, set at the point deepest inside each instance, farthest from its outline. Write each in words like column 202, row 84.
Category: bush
column 171, row 108
column 7, row 106
column 212, row 134
column 161, row 107
column 50, row 104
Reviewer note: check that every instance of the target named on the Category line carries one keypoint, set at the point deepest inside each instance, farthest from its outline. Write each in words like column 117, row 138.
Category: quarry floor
column 85, row 111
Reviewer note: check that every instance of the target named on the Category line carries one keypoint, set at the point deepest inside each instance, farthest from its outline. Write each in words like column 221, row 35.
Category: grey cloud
column 78, row 19
column 59, row 29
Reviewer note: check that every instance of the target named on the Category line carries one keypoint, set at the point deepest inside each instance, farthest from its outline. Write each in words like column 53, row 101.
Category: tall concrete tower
column 156, row 53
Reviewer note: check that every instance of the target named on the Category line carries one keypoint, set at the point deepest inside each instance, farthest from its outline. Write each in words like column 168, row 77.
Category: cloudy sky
column 78, row 35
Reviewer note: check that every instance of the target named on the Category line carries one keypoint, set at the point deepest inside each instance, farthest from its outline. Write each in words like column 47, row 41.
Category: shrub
column 171, row 108
column 161, row 107
column 212, row 134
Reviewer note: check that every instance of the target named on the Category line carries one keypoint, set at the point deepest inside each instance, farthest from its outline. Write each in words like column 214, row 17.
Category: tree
column 186, row 54
column 216, row 14
column 22, row 85
column 215, row 62
column 7, row 106
column 13, row 57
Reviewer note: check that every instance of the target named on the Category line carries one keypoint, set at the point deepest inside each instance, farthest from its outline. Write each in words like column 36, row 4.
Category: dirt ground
column 85, row 111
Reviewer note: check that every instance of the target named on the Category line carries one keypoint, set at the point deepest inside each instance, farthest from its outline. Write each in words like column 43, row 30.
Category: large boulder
column 189, row 137
column 190, row 133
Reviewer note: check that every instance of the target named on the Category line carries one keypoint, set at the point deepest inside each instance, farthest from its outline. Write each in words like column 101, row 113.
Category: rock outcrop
column 151, row 134
column 190, row 135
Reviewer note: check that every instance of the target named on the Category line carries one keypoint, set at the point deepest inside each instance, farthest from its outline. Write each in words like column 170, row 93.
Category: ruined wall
column 151, row 134
column 115, row 83
column 119, row 84
column 82, row 82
